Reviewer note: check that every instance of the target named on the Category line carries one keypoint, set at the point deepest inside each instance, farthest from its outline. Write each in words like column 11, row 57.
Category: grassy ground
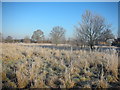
column 35, row 67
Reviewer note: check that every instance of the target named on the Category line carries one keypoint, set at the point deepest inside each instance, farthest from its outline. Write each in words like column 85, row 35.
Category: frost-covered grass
column 35, row 67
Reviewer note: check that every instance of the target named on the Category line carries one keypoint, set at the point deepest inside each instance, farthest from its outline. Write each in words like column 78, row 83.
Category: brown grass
column 35, row 67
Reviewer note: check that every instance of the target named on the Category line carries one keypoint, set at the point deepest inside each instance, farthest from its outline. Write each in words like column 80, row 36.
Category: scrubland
column 36, row 67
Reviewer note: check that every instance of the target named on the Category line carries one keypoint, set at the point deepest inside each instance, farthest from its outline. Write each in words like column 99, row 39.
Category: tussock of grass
column 35, row 67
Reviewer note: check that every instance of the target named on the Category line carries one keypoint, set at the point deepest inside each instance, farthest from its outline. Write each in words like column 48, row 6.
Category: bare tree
column 38, row 36
column 9, row 39
column 91, row 28
column 1, row 37
column 27, row 39
column 57, row 35
column 107, row 34
column 78, row 39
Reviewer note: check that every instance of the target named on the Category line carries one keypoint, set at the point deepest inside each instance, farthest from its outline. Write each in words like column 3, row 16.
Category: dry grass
column 35, row 67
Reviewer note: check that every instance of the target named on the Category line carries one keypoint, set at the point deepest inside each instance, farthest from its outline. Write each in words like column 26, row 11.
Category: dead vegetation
column 35, row 67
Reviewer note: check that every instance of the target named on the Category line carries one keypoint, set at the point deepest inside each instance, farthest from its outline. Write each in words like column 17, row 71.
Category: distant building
column 107, row 43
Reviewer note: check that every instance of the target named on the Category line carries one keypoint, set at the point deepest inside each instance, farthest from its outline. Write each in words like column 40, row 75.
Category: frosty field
column 36, row 67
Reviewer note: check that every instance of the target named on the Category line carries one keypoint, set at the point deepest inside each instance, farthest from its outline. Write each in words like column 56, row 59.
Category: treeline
column 92, row 30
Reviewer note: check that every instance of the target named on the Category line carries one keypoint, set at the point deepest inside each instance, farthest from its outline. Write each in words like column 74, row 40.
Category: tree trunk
column 91, row 47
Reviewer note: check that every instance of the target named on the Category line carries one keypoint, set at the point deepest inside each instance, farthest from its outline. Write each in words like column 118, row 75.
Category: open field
column 70, row 47
column 65, row 45
column 37, row 67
